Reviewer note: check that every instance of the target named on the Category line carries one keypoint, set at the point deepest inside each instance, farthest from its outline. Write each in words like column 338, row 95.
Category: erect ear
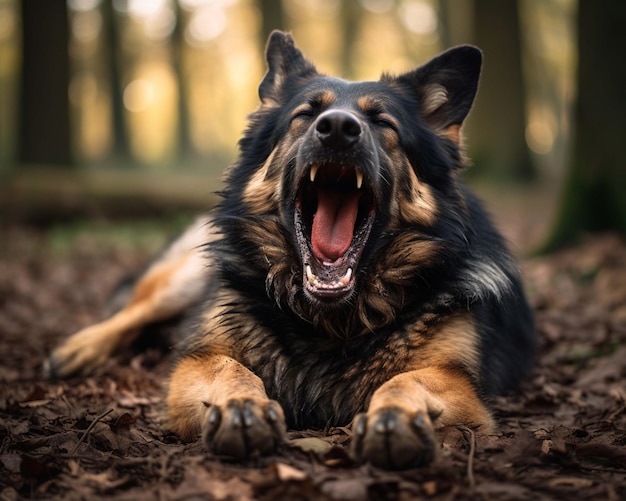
column 283, row 61
column 446, row 87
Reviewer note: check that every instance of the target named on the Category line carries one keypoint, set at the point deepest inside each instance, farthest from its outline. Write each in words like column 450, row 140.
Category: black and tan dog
column 346, row 276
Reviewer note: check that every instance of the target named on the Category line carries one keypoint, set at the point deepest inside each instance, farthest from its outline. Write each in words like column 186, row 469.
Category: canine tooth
column 359, row 179
column 309, row 275
column 313, row 171
column 346, row 278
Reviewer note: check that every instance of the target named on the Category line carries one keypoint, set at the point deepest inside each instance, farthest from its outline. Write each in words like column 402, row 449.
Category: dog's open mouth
column 334, row 215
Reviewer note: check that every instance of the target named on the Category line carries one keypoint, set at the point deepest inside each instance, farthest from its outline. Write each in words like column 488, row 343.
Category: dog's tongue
column 333, row 223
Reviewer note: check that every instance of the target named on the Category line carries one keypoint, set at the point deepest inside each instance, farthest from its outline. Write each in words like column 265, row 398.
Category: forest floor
column 561, row 436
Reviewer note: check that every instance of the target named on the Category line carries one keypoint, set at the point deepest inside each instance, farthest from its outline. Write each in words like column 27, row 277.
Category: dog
column 347, row 276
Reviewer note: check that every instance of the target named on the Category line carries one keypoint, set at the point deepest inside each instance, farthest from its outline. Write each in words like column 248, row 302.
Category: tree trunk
column 121, row 147
column 185, row 147
column 351, row 14
column 44, row 104
column 594, row 197
column 496, row 127
column 273, row 18
column 455, row 22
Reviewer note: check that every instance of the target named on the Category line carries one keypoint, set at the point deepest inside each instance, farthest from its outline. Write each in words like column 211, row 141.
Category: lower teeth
column 314, row 280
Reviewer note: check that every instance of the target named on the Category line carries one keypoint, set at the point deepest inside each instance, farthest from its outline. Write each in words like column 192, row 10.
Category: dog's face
column 350, row 187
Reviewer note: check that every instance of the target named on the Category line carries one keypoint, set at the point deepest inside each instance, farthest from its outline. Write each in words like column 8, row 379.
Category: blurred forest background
column 122, row 106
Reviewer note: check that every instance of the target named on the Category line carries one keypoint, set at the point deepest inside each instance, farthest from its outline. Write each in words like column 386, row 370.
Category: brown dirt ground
column 562, row 435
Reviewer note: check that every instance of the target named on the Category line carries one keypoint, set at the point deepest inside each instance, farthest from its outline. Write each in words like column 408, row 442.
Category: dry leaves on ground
column 562, row 435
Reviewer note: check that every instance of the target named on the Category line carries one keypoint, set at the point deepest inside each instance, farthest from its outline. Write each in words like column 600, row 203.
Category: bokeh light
column 206, row 24
column 541, row 131
column 418, row 16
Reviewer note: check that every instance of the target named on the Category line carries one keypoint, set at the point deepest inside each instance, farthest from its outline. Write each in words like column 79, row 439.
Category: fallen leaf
column 11, row 461
column 288, row 473
column 603, row 453
column 346, row 489
column 430, row 488
column 104, row 481
column 123, row 421
column 198, row 483
column 130, row 401
column 36, row 394
column 575, row 482
column 338, row 456
column 311, row 444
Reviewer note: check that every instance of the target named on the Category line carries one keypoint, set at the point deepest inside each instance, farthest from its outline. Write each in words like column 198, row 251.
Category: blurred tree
column 455, row 21
column 594, row 197
column 185, row 147
column 351, row 17
column 497, row 124
column 273, row 18
column 121, row 148
column 44, row 104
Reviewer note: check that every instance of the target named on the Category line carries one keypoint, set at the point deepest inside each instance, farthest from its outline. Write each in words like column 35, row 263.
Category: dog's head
column 345, row 192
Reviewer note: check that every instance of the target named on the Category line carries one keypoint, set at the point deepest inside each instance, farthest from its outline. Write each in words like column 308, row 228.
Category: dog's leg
column 435, row 390
column 216, row 396
column 397, row 431
column 171, row 285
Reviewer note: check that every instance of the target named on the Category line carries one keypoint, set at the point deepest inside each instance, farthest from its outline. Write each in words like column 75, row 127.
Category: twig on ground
column 88, row 430
column 470, row 458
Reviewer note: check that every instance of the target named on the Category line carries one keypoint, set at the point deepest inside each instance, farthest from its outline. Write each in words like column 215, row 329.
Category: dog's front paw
column 392, row 438
column 243, row 427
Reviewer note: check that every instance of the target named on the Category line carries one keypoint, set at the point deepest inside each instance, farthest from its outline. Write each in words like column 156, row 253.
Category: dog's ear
column 283, row 60
column 446, row 88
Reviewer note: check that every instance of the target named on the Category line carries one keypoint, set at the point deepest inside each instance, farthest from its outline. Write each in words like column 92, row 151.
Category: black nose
column 338, row 129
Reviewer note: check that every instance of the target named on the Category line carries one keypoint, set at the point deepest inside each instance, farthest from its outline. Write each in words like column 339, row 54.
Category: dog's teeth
column 359, row 179
column 314, row 280
column 309, row 275
column 345, row 280
column 313, row 172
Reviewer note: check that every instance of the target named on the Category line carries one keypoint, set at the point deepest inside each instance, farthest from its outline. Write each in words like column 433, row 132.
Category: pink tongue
column 333, row 223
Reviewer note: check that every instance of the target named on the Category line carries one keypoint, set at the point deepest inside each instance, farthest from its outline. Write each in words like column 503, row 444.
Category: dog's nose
column 338, row 129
